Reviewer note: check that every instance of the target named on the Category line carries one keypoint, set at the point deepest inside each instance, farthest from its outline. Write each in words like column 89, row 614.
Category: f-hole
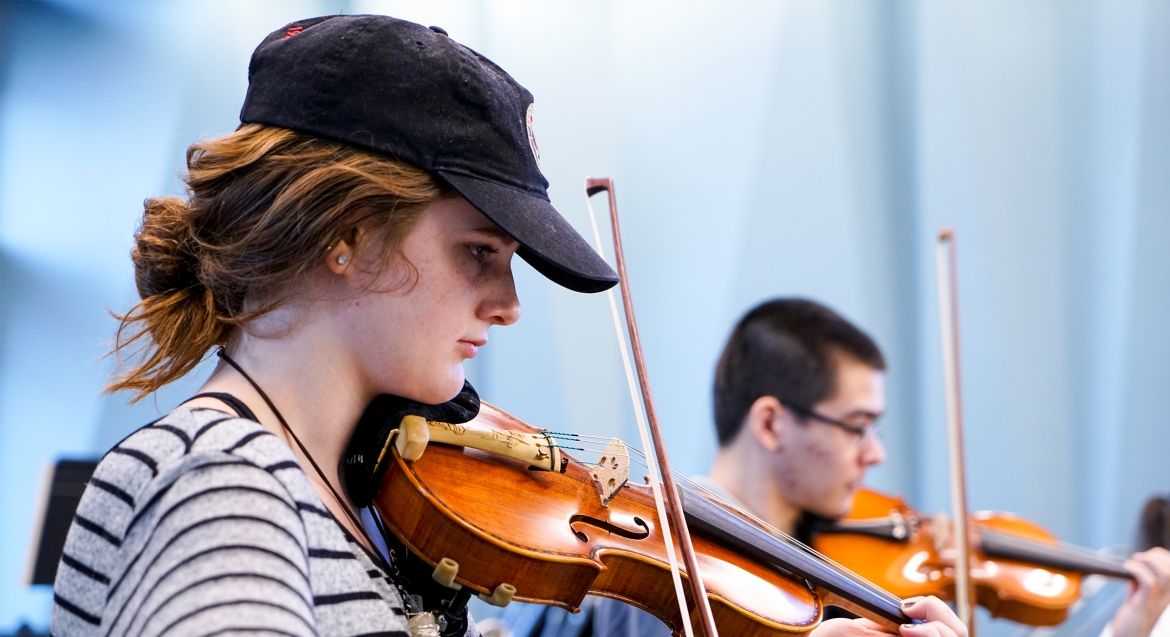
column 641, row 533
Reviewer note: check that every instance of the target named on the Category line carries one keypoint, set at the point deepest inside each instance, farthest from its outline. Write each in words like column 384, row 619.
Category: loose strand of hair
column 171, row 332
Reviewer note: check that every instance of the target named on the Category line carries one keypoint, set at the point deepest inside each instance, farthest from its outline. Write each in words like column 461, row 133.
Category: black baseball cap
column 415, row 95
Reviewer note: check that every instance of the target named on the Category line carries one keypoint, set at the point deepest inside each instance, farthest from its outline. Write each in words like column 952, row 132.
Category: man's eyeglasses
column 860, row 432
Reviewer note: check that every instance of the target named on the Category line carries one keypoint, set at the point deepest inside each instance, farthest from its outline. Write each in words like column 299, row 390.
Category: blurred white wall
column 759, row 148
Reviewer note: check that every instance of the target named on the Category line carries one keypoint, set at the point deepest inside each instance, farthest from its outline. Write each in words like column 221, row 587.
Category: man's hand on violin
column 1149, row 596
column 940, row 621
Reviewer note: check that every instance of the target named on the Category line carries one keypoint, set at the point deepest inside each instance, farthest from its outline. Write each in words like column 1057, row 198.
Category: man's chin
column 835, row 511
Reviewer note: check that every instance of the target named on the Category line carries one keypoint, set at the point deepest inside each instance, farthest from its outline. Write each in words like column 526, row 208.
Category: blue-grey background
column 760, row 149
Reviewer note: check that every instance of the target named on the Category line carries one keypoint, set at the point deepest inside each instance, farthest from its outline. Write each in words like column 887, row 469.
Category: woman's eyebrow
column 494, row 231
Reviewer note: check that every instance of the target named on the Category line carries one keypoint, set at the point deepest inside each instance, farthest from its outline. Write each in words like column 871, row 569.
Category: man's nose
column 873, row 452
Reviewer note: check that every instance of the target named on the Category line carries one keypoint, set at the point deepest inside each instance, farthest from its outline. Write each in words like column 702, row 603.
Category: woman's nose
column 503, row 308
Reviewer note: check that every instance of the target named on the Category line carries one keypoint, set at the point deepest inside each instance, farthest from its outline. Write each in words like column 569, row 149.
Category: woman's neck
column 311, row 389
column 317, row 400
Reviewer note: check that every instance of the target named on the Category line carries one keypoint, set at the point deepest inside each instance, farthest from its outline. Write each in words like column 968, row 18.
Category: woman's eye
column 482, row 252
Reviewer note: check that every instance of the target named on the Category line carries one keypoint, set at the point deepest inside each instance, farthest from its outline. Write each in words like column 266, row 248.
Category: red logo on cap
column 530, row 119
column 291, row 32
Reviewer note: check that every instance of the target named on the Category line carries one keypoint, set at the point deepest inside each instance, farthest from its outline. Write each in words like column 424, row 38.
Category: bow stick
column 949, row 321
column 676, row 520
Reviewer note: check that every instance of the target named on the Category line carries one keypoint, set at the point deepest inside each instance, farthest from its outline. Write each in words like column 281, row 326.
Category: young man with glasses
column 798, row 393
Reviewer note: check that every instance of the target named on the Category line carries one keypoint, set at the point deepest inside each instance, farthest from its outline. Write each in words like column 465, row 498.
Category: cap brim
column 547, row 242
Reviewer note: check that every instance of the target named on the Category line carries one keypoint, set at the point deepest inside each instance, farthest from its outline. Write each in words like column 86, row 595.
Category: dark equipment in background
column 63, row 491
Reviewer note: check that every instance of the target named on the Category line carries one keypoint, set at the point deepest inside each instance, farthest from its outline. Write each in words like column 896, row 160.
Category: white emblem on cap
column 529, row 119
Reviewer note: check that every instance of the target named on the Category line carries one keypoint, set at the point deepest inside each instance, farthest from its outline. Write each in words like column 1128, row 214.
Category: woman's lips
column 471, row 347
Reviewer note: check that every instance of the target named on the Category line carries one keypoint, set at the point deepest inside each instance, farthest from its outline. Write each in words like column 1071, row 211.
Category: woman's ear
column 765, row 423
column 339, row 256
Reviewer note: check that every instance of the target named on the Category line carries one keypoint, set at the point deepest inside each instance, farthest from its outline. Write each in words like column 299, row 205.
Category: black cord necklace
column 451, row 615
column 284, row 423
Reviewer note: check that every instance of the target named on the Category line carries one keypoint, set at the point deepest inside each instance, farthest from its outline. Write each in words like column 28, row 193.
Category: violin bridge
column 612, row 471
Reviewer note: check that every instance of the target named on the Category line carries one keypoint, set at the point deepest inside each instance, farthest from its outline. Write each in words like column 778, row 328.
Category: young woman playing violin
column 353, row 237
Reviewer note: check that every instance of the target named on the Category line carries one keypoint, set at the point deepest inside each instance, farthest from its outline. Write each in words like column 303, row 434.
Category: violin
column 499, row 507
column 1019, row 571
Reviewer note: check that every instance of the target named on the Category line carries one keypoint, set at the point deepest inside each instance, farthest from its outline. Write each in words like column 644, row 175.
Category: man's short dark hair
column 787, row 348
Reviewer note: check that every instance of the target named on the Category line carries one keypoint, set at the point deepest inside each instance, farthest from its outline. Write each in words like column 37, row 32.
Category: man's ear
column 764, row 422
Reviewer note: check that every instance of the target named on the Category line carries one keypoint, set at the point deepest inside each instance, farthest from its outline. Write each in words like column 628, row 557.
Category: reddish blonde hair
column 264, row 206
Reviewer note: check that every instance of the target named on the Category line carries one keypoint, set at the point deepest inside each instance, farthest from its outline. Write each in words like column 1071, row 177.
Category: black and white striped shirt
column 204, row 523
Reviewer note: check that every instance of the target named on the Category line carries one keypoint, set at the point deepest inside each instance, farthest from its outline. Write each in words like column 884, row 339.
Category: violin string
column 577, row 437
column 550, row 447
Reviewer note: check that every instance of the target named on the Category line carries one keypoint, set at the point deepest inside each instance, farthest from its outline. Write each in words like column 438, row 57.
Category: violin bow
column 948, row 306
column 676, row 520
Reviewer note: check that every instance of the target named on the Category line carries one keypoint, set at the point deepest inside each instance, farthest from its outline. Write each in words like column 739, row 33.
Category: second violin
column 1019, row 571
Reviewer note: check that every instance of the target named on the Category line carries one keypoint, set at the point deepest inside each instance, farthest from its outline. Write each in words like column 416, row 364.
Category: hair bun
column 164, row 252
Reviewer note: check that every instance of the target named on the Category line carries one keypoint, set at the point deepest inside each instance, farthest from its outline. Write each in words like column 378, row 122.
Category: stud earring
column 342, row 259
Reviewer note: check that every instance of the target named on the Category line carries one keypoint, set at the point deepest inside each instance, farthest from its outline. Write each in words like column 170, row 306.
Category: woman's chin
column 436, row 392
column 445, row 392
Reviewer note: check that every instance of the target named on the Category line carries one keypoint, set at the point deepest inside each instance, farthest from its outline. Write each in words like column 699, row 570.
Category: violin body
column 1019, row 571
column 547, row 534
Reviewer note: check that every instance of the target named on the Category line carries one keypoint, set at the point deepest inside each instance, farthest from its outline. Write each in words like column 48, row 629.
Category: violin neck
column 706, row 517
column 994, row 544
column 1058, row 556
